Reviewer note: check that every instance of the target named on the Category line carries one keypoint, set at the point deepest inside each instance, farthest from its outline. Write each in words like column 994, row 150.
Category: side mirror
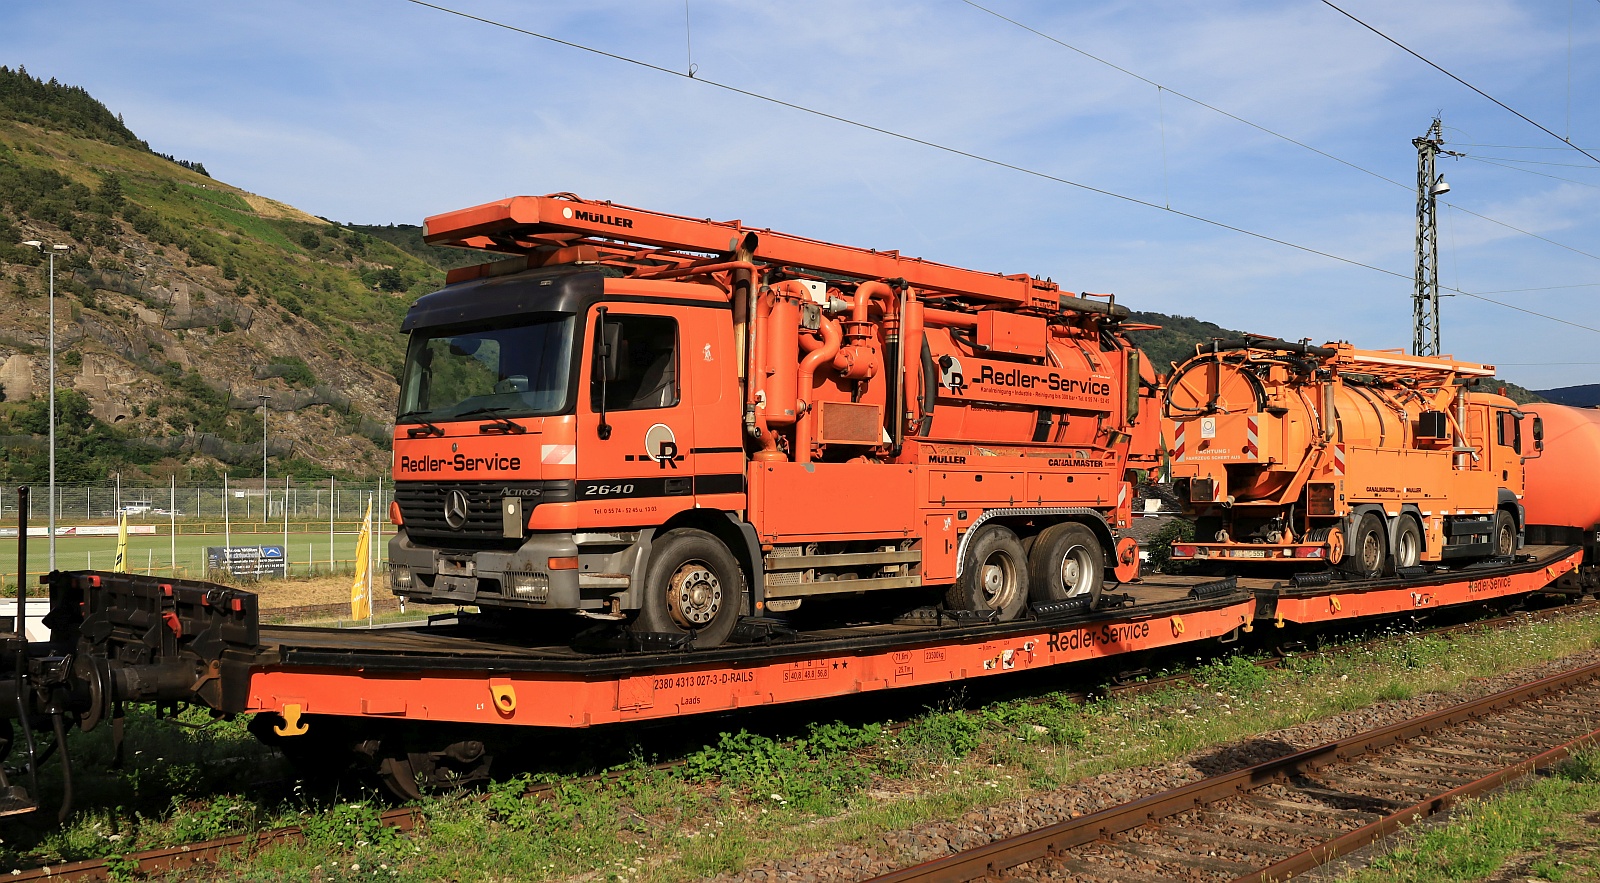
column 1538, row 433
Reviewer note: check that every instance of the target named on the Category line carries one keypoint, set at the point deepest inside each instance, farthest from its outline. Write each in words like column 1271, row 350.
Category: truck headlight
column 400, row 576
column 530, row 586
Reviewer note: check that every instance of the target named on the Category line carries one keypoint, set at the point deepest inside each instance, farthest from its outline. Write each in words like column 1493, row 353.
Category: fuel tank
column 1563, row 482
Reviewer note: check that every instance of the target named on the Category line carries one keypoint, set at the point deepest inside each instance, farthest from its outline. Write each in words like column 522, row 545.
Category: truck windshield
column 508, row 370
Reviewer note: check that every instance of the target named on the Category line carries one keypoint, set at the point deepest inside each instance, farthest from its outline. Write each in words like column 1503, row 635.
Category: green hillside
column 182, row 301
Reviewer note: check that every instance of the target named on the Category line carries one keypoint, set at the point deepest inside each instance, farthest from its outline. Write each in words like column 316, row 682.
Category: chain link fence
column 171, row 526
column 243, row 501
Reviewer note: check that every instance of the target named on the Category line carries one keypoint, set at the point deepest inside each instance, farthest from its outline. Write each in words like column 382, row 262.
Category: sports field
column 308, row 553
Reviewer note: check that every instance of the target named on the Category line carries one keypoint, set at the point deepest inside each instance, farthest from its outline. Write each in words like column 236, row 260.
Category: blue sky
column 378, row 111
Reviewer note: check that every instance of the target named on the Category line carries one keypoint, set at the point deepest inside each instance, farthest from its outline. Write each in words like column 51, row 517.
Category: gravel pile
column 898, row 849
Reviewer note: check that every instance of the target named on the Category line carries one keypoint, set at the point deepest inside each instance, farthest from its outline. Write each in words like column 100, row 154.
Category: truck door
column 1507, row 459
column 635, row 420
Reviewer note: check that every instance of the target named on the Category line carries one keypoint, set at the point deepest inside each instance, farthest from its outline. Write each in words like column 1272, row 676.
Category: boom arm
column 533, row 224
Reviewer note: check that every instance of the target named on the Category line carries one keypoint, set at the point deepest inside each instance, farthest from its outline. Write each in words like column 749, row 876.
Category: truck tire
column 1407, row 545
column 1364, row 558
column 1066, row 561
column 1505, row 534
column 994, row 575
column 693, row 583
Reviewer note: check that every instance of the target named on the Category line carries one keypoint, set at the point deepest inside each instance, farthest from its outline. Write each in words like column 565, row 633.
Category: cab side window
column 635, row 365
column 1510, row 432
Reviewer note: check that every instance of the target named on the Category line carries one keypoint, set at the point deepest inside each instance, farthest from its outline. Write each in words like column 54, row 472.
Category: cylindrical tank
column 781, row 359
column 1563, row 482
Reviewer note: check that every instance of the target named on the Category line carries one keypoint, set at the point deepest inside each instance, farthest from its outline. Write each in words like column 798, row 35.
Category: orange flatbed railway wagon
column 671, row 423
column 367, row 694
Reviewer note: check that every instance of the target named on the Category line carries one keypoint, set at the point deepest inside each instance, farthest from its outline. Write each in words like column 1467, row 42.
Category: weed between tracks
column 747, row 798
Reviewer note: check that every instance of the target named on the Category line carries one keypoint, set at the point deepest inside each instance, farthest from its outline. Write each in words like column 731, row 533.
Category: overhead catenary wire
column 956, row 151
column 1508, row 108
column 1257, row 126
column 1528, row 170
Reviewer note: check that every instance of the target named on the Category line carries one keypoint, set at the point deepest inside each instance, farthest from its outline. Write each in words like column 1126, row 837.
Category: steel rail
column 992, row 859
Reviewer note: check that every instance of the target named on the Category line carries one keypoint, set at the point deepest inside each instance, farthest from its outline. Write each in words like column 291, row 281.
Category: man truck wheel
column 1364, row 558
column 1066, row 562
column 1407, row 544
column 693, row 583
column 1505, row 535
column 994, row 575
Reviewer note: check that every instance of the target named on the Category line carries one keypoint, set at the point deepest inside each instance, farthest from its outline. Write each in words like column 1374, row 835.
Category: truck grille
column 422, row 505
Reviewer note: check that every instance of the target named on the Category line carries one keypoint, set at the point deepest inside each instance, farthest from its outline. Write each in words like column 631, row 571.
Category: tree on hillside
column 58, row 106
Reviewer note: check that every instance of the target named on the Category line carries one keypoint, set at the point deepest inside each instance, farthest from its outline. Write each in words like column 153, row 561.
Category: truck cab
column 510, row 383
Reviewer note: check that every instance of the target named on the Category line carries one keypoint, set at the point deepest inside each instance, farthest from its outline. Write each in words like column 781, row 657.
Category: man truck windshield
column 516, row 370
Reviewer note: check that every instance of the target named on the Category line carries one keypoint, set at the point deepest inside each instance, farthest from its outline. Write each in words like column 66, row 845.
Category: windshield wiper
column 504, row 424
column 425, row 429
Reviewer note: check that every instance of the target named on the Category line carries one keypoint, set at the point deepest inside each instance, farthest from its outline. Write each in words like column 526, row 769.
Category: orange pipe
column 947, row 319
column 818, row 354
column 865, row 293
column 911, row 356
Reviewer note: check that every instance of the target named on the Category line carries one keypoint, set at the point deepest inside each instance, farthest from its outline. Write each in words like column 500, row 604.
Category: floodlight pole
column 51, row 252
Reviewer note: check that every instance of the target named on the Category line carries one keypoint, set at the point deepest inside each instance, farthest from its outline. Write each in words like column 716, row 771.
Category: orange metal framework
column 561, row 226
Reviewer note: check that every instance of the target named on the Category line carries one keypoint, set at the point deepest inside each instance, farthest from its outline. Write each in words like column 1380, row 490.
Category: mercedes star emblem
column 455, row 509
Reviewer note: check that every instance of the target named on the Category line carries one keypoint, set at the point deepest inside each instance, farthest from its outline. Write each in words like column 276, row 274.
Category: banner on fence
column 248, row 561
column 88, row 530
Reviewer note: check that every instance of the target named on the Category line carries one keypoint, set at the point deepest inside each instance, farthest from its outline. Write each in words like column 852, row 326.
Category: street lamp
column 266, row 508
column 34, row 243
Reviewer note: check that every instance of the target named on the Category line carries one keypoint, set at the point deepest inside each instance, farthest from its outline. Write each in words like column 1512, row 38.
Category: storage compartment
column 1001, row 332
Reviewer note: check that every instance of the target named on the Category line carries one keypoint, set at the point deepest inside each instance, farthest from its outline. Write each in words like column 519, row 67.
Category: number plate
column 1247, row 553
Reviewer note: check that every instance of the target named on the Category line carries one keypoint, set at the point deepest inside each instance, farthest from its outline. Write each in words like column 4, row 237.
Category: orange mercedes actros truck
column 1366, row 460
column 673, row 423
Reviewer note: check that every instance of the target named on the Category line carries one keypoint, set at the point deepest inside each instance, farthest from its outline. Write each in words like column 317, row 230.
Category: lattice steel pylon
column 1425, row 296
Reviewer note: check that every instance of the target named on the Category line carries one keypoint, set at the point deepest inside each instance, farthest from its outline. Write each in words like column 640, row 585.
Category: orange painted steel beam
column 521, row 224
column 563, row 700
column 1334, row 604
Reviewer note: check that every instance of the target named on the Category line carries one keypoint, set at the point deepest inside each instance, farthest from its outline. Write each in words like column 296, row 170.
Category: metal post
column 172, row 524
column 227, row 526
column 330, row 524
column 52, row 410
column 286, row 527
column 1425, row 294
column 265, row 512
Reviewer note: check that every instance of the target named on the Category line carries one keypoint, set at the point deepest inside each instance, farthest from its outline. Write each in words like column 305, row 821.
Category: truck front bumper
column 497, row 578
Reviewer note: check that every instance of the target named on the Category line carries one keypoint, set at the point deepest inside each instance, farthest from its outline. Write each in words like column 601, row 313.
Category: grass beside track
column 1545, row 831
column 741, row 799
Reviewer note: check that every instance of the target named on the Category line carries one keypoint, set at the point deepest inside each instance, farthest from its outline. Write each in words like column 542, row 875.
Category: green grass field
column 307, row 553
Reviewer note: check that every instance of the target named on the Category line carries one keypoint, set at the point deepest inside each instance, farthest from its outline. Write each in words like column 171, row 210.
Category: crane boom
column 527, row 224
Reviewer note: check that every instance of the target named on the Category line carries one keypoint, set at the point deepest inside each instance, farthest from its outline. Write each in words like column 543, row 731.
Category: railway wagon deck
column 455, row 670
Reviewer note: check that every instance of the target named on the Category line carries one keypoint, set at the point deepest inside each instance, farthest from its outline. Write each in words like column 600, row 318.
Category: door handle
column 678, row 487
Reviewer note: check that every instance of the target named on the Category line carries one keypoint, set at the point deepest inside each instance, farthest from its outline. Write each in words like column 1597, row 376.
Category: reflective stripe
column 559, row 455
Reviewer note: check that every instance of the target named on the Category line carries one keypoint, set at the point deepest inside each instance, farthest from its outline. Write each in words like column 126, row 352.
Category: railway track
column 1292, row 814
column 206, row 853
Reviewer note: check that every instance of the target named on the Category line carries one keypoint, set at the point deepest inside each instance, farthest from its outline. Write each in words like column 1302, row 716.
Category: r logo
column 662, row 446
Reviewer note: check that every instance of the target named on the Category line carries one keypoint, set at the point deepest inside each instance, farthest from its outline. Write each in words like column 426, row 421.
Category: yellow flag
column 121, row 564
column 361, row 586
